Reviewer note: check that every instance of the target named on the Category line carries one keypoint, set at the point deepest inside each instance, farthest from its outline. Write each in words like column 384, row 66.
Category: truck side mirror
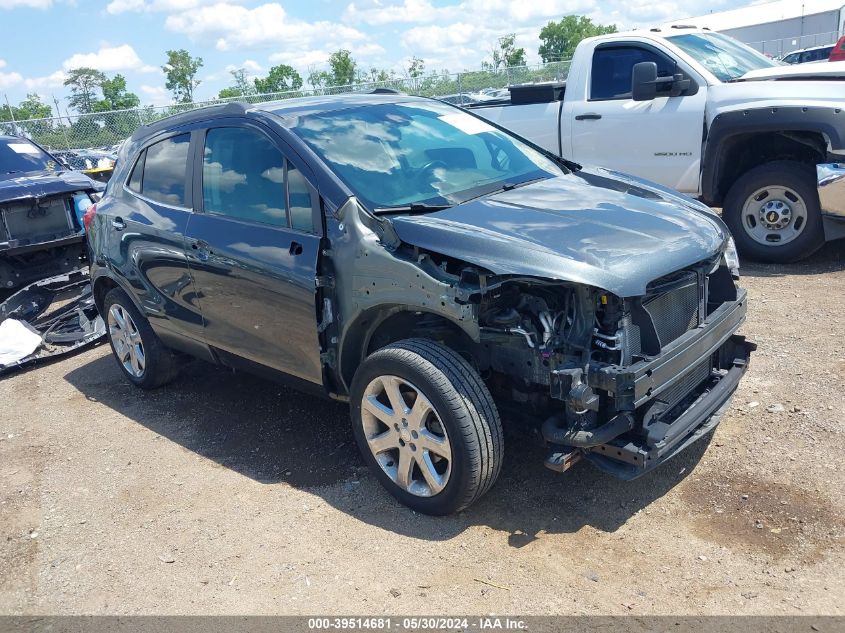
column 644, row 81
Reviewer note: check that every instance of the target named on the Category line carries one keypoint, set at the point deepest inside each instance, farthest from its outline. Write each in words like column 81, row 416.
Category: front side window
column 165, row 169
column 243, row 176
column 613, row 67
column 425, row 152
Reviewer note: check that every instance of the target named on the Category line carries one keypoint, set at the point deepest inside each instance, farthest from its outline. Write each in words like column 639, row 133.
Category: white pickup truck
column 701, row 113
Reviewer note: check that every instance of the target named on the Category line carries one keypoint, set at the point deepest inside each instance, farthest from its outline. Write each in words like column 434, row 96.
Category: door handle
column 118, row 224
column 592, row 116
column 202, row 249
column 295, row 248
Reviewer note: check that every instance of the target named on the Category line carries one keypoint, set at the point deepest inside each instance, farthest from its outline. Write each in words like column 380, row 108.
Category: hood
column 745, row 95
column 587, row 227
column 824, row 71
column 44, row 183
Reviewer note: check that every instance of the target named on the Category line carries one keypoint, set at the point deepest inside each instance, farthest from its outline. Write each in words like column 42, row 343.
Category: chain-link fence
column 106, row 129
column 780, row 47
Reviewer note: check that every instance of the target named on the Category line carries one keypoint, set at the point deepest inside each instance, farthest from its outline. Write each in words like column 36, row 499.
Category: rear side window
column 165, row 166
column 612, row 68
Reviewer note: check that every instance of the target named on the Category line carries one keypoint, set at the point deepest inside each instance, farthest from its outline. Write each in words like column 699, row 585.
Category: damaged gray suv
column 440, row 274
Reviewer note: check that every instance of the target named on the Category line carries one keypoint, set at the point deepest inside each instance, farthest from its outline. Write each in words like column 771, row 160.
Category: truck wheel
column 140, row 354
column 774, row 214
column 427, row 426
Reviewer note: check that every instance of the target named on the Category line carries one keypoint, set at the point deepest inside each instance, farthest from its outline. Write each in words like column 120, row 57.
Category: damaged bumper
column 57, row 315
column 667, row 402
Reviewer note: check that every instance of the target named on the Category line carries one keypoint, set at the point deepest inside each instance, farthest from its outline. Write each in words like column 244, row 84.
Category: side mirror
column 644, row 81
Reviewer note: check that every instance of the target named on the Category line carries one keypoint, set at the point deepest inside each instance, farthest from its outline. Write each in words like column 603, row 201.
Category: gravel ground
column 226, row 494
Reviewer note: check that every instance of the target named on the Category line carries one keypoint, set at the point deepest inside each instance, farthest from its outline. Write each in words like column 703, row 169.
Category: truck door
column 659, row 140
column 252, row 247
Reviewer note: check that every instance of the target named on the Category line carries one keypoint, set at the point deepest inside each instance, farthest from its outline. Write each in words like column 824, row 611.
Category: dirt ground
column 226, row 494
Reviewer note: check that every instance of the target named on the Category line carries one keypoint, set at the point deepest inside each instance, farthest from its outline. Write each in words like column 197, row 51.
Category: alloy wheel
column 406, row 436
column 127, row 342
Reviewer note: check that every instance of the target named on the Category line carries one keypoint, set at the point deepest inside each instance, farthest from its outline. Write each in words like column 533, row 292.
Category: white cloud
column 109, row 58
column 53, row 80
column 31, row 4
column 234, row 27
column 9, row 80
column 156, row 95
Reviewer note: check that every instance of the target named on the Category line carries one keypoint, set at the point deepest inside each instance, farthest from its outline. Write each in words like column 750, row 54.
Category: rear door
column 253, row 245
column 659, row 140
column 146, row 221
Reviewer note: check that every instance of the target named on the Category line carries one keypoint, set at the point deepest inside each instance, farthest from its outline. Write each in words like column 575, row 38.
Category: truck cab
column 701, row 113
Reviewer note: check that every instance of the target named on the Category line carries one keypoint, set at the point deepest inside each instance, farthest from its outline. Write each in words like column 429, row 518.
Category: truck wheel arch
column 742, row 140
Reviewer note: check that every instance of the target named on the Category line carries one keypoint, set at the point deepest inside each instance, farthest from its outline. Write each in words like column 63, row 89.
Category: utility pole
column 61, row 125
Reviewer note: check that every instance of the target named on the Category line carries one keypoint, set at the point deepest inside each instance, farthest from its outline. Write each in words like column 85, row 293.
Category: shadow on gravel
column 829, row 259
column 274, row 434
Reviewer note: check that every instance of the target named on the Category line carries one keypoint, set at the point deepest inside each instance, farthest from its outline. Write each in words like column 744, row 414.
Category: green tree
column 115, row 95
column 559, row 39
column 318, row 79
column 505, row 54
column 181, row 71
column 32, row 108
column 84, row 84
column 280, row 79
column 240, row 88
column 342, row 68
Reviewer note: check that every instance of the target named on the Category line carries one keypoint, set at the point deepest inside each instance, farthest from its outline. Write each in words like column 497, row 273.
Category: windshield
column 18, row 155
column 723, row 56
column 398, row 154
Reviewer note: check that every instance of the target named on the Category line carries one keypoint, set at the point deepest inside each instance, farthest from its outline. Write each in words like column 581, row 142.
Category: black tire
column 463, row 405
column 159, row 362
column 797, row 177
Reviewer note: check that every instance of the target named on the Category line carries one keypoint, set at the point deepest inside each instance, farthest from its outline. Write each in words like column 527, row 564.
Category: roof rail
column 232, row 108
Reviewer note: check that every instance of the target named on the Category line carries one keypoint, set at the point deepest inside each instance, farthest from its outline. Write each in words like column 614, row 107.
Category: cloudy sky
column 43, row 39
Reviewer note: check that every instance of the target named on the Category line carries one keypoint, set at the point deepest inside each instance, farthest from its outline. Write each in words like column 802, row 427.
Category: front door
column 659, row 140
column 252, row 248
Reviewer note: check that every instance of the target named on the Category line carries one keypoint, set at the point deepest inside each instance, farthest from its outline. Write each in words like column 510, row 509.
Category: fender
column 830, row 122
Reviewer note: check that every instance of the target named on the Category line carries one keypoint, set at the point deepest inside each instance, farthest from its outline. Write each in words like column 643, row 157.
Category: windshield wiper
column 507, row 186
column 414, row 207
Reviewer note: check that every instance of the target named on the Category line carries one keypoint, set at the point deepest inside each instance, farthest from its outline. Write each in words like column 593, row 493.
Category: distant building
column 779, row 27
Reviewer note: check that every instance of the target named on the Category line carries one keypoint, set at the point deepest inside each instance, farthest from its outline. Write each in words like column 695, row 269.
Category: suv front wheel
column 427, row 426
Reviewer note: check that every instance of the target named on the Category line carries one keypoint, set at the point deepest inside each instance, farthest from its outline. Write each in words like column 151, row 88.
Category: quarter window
column 137, row 174
column 300, row 200
column 613, row 66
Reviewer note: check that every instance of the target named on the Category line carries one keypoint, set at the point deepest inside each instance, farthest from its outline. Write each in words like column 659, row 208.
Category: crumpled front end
column 663, row 368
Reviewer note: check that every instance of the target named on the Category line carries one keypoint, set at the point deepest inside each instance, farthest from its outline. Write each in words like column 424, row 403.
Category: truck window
column 610, row 77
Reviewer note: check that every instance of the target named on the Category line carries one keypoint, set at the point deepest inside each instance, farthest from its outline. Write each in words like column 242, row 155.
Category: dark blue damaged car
column 41, row 209
column 441, row 275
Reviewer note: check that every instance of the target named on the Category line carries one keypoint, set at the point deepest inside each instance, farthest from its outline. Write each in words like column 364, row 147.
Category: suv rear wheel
column 774, row 214
column 140, row 354
column 427, row 426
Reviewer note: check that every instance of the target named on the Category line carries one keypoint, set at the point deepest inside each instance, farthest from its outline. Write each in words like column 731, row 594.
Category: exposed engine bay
column 563, row 359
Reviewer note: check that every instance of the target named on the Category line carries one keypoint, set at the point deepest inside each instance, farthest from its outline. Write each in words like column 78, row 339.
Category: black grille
column 674, row 311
